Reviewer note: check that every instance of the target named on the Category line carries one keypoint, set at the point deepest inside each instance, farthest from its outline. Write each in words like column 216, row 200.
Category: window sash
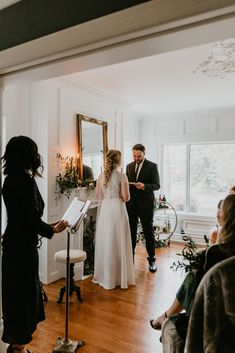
column 188, row 157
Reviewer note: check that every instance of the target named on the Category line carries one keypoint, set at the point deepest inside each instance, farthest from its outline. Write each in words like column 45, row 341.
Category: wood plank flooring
column 114, row 321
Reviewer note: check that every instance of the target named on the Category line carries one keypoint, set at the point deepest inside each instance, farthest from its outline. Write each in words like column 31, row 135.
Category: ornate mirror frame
column 103, row 124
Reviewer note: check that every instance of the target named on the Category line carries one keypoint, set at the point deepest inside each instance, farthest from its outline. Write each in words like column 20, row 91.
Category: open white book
column 75, row 212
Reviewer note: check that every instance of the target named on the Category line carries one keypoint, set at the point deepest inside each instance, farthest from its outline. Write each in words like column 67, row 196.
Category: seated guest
column 213, row 236
column 174, row 324
column 212, row 320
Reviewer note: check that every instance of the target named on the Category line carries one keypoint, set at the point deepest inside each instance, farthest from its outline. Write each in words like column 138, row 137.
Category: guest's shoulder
column 214, row 254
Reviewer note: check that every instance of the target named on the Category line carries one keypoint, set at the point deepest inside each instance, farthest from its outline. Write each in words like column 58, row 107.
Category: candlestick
column 71, row 163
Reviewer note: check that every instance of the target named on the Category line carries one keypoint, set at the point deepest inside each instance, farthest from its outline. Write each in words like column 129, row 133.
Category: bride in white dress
column 113, row 250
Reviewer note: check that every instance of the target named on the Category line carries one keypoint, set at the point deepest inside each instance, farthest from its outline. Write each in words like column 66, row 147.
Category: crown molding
column 141, row 21
column 79, row 85
column 189, row 114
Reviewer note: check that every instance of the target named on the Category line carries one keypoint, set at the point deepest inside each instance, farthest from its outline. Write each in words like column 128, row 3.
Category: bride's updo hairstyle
column 112, row 160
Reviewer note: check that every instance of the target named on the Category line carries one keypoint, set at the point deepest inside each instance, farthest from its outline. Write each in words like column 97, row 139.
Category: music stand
column 66, row 345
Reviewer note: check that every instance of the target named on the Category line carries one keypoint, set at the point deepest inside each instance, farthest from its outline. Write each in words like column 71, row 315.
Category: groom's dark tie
column 136, row 171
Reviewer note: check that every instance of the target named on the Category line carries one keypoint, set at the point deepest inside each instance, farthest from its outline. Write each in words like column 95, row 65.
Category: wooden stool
column 75, row 256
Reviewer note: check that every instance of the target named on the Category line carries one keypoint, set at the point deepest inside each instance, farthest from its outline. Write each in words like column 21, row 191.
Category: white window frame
column 188, row 150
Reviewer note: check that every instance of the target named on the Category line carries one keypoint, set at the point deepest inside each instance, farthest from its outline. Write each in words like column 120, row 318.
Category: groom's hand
column 139, row 186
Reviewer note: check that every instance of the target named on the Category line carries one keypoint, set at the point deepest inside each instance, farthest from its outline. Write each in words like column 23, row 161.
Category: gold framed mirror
column 92, row 140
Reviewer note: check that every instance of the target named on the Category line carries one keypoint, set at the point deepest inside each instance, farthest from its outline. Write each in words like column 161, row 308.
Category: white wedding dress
column 113, row 249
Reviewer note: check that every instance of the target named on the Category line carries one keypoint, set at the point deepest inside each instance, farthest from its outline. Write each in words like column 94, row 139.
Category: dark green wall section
column 31, row 19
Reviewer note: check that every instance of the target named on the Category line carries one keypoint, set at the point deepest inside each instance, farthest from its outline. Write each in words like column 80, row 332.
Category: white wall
column 130, row 135
column 215, row 125
column 25, row 112
column 67, row 99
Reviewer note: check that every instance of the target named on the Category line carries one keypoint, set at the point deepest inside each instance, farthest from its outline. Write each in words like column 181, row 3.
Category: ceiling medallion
column 221, row 62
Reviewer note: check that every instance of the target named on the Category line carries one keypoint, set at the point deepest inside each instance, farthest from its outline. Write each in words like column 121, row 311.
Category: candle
column 77, row 165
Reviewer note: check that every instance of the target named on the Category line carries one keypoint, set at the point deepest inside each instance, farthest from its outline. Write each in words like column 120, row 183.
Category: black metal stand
column 66, row 345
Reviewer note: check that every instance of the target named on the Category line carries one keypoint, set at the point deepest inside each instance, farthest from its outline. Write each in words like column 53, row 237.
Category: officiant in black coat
column 144, row 179
column 22, row 302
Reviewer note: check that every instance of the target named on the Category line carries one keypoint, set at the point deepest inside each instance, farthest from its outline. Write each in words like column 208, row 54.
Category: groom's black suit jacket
column 148, row 175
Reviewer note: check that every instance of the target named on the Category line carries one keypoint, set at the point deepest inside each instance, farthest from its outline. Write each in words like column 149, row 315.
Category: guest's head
column 138, row 152
column 232, row 189
column 21, row 155
column 227, row 233
column 112, row 161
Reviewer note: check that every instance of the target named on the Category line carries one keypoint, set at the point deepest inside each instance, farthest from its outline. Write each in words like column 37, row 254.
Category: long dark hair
column 227, row 232
column 21, row 155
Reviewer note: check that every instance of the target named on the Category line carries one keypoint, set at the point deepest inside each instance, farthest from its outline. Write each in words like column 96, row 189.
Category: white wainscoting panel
column 194, row 226
column 225, row 125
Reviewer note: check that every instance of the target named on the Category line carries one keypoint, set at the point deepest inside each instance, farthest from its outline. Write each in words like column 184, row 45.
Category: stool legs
column 72, row 287
column 44, row 295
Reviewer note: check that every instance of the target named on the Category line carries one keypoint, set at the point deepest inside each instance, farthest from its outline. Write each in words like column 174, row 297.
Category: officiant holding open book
column 22, row 302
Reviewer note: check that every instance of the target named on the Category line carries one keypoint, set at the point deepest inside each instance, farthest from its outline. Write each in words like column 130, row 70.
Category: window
column 197, row 176
column 174, row 175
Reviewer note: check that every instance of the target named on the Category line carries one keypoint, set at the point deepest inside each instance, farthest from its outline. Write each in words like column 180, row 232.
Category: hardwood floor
column 114, row 321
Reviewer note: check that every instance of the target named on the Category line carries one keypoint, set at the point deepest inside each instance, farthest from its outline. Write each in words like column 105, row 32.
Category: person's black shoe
column 152, row 266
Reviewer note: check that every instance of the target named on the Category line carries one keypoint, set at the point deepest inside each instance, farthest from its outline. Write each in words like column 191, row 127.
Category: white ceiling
column 162, row 83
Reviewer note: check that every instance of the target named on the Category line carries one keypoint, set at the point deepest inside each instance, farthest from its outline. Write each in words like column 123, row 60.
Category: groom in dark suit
column 144, row 179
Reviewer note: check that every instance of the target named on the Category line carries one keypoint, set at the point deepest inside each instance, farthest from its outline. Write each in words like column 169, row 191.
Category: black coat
column 21, row 293
column 149, row 176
